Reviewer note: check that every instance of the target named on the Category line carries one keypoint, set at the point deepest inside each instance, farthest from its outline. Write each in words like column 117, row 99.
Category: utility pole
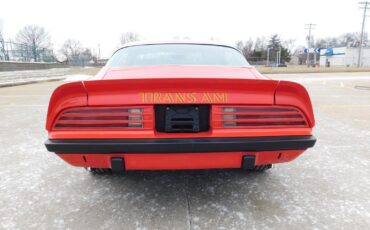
column 268, row 56
column 279, row 56
column 309, row 27
column 365, row 6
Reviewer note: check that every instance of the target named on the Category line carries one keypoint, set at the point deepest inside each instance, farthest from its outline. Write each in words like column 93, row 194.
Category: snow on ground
column 76, row 77
column 30, row 76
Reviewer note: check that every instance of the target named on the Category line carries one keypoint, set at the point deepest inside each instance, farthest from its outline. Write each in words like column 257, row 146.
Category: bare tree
column 129, row 37
column 86, row 56
column 260, row 44
column 246, row 47
column 34, row 37
column 352, row 39
column 71, row 50
column 255, row 51
column 3, row 53
column 74, row 53
column 346, row 39
column 289, row 44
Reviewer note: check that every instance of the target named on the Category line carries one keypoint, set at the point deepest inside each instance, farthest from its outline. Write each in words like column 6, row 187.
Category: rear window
column 177, row 54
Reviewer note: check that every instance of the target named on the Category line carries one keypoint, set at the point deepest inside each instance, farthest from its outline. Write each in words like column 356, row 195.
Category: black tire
column 261, row 168
column 99, row 171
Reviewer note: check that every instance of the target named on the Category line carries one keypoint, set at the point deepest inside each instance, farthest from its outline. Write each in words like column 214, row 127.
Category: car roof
column 139, row 43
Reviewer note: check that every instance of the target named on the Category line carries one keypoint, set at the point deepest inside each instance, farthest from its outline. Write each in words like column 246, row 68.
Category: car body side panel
column 294, row 94
column 65, row 96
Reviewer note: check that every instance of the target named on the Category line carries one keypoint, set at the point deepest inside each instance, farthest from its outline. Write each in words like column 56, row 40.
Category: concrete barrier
column 14, row 66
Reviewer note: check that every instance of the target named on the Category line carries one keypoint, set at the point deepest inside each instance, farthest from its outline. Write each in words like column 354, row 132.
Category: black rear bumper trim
column 180, row 145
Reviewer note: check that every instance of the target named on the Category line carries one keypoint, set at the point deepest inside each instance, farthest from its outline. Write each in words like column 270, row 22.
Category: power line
column 309, row 27
column 365, row 6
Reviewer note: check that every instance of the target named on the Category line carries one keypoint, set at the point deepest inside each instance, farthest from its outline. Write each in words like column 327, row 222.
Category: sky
column 102, row 22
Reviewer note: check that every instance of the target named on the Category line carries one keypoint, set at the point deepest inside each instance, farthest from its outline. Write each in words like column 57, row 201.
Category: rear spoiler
column 130, row 91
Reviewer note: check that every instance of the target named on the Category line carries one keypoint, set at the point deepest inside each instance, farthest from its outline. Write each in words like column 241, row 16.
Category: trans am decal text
column 206, row 97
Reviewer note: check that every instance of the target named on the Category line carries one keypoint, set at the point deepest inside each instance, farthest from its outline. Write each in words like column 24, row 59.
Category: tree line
column 35, row 41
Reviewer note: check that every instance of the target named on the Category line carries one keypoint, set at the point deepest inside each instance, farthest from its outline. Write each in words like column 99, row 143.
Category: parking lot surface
column 327, row 187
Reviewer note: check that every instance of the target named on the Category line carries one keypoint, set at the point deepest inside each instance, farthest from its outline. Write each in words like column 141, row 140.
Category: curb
column 10, row 84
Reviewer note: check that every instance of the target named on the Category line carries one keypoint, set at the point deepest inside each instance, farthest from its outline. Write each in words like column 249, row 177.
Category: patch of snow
column 76, row 77
column 241, row 216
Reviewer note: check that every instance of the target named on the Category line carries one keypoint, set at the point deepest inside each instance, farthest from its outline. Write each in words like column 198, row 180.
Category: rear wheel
column 99, row 171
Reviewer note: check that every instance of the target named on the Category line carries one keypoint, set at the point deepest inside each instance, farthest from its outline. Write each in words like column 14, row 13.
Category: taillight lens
column 257, row 117
column 105, row 118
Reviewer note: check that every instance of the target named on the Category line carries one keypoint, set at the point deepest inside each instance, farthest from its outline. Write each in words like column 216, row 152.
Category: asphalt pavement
column 327, row 187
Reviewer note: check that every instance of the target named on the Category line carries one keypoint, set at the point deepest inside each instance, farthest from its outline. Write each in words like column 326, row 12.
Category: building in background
column 344, row 56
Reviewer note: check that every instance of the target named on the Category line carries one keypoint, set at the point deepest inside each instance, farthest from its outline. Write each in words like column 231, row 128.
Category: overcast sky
column 94, row 22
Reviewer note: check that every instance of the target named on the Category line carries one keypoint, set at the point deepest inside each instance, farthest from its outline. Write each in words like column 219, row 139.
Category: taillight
column 105, row 118
column 257, row 117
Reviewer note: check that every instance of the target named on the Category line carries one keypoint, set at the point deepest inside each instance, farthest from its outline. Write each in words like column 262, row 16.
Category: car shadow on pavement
column 175, row 199
column 195, row 190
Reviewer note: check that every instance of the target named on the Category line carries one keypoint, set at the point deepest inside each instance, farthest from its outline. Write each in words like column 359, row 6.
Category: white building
column 344, row 56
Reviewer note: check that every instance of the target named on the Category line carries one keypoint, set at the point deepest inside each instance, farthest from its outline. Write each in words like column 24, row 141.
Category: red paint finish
column 174, row 161
column 294, row 94
column 144, row 87
column 130, row 91
column 119, row 134
column 65, row 96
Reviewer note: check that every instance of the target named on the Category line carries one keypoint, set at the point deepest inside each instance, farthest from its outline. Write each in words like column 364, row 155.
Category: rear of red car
column 179, row 117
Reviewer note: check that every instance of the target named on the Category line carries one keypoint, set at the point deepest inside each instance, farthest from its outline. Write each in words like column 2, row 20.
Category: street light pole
column 268, row 56
column 365, row 6
column 99, row 51
column 309, row 27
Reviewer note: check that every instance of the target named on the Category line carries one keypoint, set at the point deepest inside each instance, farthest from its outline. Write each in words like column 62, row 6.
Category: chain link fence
column 259, row 61
column 11, row 51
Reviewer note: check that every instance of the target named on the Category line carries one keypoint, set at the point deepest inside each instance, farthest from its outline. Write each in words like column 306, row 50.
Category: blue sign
column 312, row 50
column 329, row 52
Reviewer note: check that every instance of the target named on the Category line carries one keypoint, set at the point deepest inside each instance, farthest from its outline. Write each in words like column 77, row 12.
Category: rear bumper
column 179, row 145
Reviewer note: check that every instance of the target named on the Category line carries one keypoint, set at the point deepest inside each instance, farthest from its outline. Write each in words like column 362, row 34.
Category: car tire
column 99, row 171
column 261, row 168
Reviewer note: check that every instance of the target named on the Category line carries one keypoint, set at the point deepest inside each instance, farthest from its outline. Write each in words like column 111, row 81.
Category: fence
column 11, row 51
column 262, row 61
column 258, row 61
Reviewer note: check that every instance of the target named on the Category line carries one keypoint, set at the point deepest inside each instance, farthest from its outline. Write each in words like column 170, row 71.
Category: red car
column 179, row 105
